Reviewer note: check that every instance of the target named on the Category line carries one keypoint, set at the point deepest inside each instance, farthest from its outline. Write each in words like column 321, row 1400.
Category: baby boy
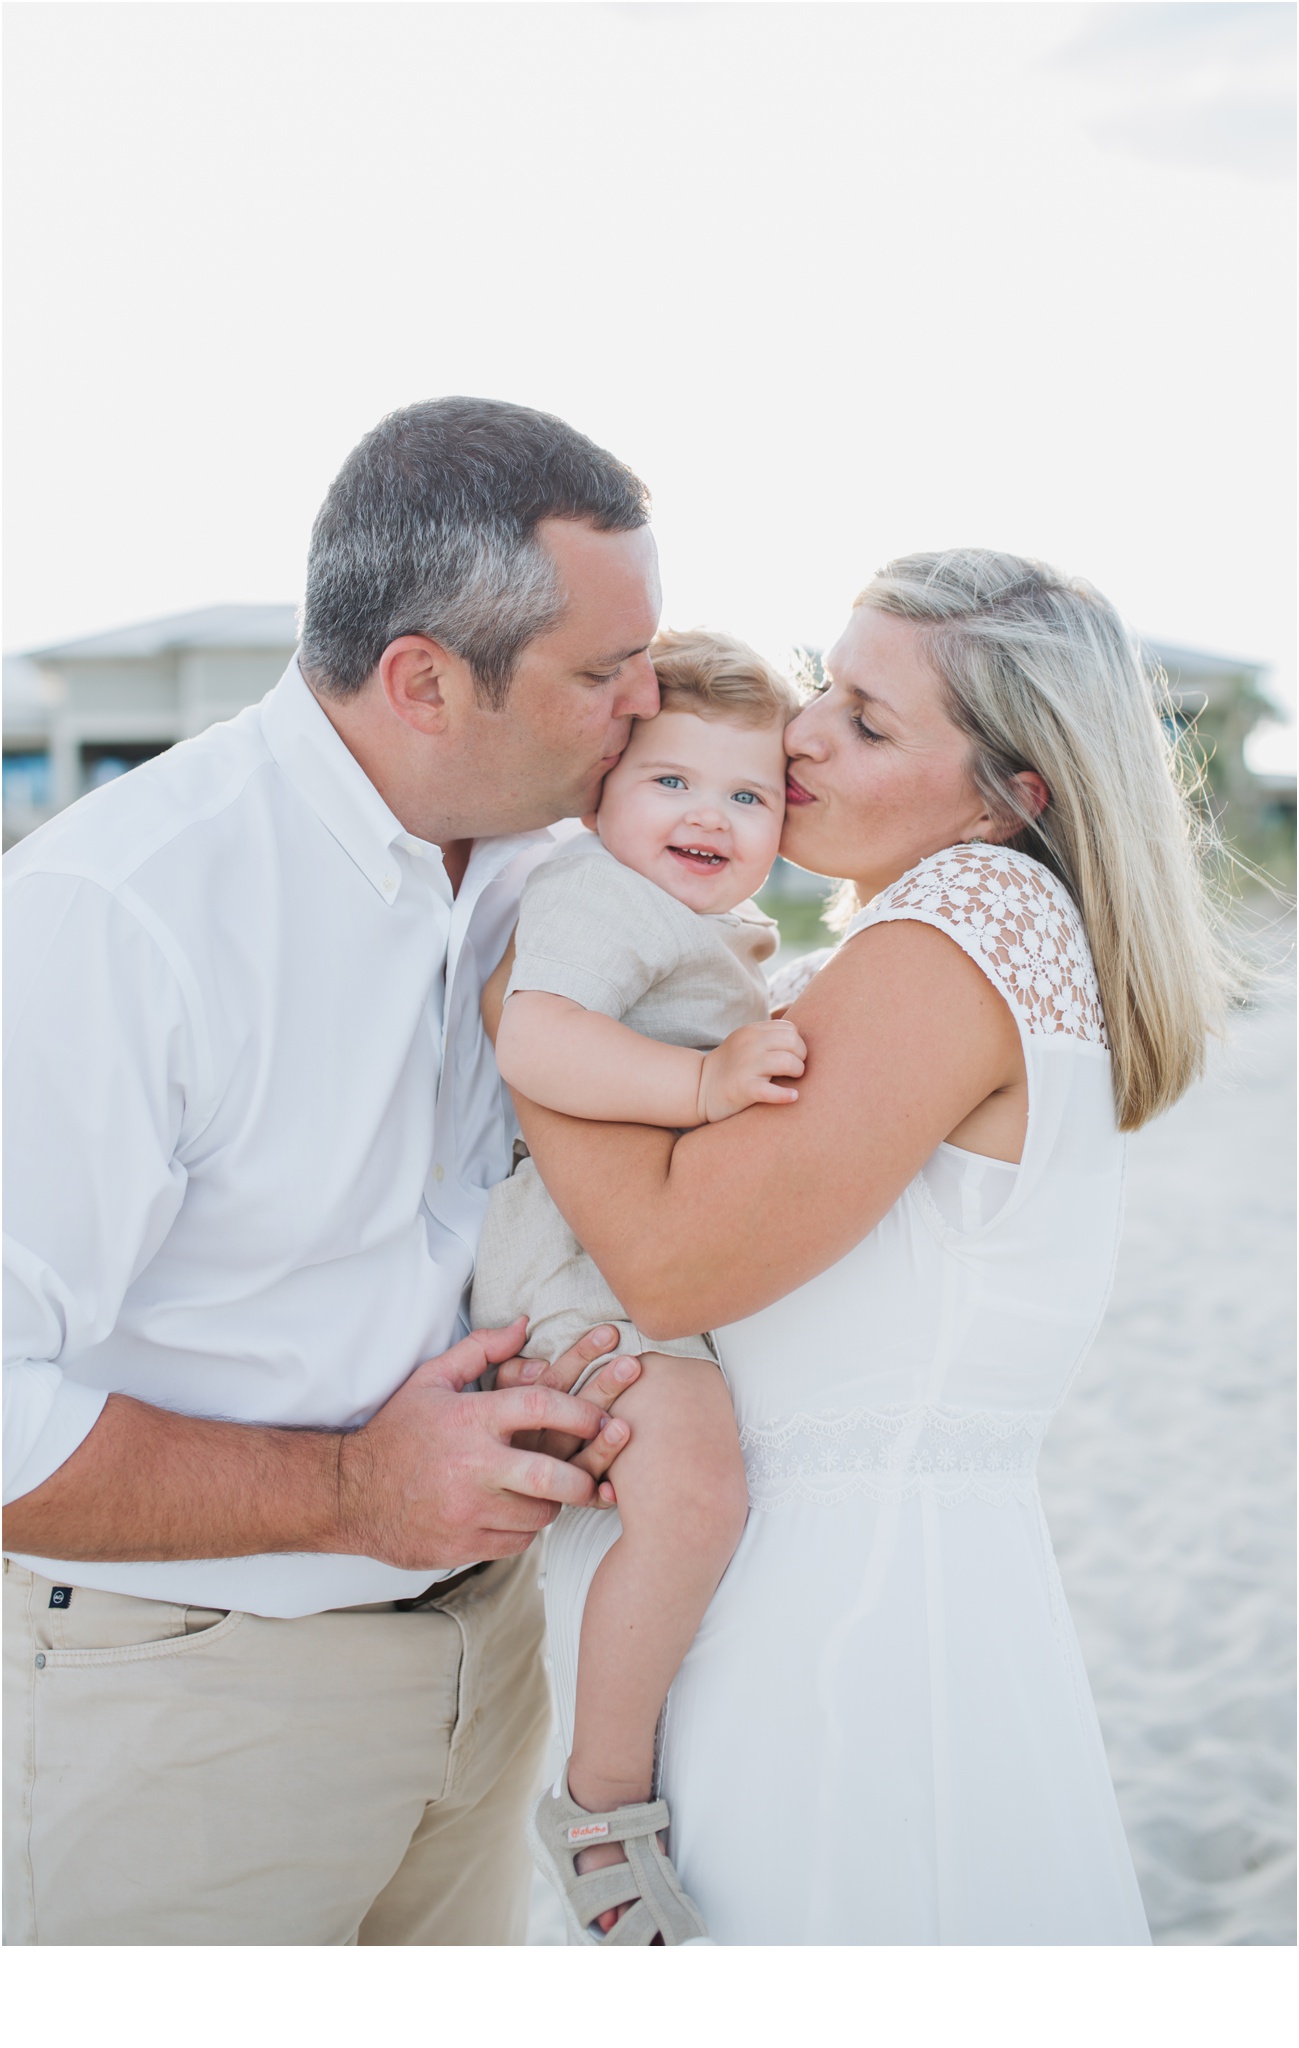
column 637, row 996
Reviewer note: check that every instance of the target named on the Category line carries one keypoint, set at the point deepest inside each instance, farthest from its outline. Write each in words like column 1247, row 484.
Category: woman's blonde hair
column 716, row 676
column 1040, row 673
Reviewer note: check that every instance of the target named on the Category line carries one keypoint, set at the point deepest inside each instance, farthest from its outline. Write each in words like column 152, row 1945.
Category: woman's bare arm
column 906, row 1038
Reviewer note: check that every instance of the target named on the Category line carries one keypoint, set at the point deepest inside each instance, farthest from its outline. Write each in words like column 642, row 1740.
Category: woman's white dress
column 883, row 1732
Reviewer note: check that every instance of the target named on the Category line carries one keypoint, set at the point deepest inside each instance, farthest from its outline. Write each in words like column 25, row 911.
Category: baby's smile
column 698, row 856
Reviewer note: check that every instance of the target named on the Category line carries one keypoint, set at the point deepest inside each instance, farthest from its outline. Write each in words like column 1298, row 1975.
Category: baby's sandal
column 559, row 1831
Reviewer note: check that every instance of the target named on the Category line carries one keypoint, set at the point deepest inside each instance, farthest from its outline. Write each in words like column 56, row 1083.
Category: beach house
column 80, row 713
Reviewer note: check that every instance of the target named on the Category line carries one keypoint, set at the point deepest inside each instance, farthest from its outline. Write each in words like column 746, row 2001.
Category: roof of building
column 274, row 626
column 1190, row 661
column 244, row 626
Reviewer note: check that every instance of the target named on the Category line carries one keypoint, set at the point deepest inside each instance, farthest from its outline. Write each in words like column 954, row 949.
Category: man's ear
column 413, row 674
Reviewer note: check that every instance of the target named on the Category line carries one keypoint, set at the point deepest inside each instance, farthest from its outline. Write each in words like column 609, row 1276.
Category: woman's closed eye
column 864, row 731
column 868, row 732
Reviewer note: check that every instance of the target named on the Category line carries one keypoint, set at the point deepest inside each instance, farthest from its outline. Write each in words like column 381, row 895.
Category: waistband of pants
column 432, row 1595
column 440, row 1588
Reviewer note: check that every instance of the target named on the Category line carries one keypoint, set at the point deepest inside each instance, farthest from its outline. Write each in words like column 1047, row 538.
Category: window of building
column 104, row 761
column 27, row 781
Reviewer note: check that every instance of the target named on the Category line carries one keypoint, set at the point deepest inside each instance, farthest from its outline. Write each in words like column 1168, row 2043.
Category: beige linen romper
column 607, row 938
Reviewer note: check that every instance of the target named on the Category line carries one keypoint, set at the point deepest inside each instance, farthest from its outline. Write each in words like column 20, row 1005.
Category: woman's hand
column 614, row 1378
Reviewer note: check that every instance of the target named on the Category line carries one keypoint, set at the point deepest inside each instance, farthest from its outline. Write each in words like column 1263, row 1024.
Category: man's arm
column 107, row 1083
column 106, row 1073
column 432, row 1481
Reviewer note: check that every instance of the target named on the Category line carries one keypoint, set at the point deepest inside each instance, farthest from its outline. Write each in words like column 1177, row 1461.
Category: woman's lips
column 795, row 792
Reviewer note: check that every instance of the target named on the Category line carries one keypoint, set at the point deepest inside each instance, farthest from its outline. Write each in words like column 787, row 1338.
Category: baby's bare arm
column 585, row 1064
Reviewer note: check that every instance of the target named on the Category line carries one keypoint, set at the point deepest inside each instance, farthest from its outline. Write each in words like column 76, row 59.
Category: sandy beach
column 1168, row 1481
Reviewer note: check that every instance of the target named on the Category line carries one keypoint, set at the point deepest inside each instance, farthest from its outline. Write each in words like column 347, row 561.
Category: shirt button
column 439, row 1173
column 40, row 1660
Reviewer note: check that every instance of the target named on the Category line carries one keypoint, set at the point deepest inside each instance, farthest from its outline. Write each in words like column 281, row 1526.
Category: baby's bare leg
column 682, row 1500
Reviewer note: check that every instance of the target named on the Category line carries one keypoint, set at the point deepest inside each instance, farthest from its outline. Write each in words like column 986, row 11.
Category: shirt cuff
column 46, row 1416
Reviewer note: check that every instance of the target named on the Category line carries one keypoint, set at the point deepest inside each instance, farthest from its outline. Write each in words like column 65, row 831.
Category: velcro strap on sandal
column 621, row 1824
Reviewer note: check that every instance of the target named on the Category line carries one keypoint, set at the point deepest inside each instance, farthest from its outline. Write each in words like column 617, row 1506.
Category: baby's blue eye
column 670, row 781
column 744, row 796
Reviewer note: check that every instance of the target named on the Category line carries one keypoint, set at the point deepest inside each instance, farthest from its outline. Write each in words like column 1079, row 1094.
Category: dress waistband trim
column 949, row 1454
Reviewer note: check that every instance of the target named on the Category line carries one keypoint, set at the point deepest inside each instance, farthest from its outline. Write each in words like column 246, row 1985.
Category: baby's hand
column 742, row 1069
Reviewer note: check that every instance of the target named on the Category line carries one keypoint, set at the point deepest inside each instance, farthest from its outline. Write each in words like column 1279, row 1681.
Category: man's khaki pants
column 178, row 1776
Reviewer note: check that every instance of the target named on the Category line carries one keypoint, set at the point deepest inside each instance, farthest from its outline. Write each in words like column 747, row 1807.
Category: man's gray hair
column 430, row 527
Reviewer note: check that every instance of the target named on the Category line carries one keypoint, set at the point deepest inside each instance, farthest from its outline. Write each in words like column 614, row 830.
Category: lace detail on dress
column 1024, row 924
column 788, row 982
column 987, row 1454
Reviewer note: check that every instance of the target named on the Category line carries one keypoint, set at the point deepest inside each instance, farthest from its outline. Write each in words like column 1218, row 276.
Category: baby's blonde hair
column 1040, row 673
column 716, row 676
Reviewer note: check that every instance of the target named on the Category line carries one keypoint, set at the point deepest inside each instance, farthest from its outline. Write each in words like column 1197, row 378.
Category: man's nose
column 638, row 696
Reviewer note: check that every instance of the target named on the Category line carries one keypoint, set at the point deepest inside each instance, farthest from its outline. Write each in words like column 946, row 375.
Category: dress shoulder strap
column 1017, row 921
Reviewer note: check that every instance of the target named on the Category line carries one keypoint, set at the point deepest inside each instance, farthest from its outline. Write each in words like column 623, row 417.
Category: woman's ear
column 1034, row 796
column 1033, row 791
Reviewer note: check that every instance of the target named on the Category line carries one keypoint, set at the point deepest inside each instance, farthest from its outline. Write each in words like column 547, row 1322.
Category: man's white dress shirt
column 252, row 1116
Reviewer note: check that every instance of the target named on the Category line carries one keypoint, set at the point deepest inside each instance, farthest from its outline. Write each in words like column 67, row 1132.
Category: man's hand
column 742, row 1069
column 436, row 1478
column 613, row 1378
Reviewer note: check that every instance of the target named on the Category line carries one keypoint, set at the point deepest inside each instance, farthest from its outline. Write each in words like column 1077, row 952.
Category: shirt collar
column 324, row 771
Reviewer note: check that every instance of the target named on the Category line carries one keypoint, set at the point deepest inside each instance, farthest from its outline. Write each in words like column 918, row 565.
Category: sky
column 839, row 280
